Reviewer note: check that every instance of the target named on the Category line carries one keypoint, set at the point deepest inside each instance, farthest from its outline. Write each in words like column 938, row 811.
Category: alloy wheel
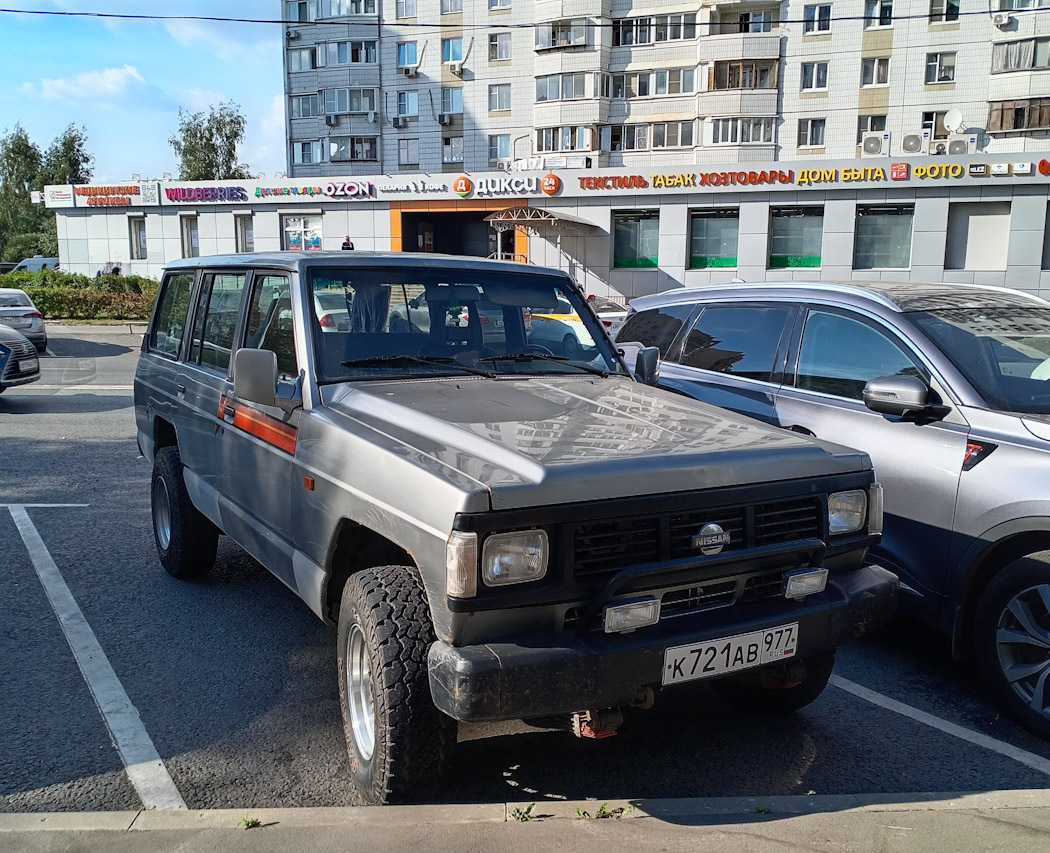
column 359, row 690
column 1023, row 644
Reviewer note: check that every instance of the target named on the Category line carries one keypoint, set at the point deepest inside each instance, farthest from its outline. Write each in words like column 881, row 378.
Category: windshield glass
column 453, row 322
column 1003, row 352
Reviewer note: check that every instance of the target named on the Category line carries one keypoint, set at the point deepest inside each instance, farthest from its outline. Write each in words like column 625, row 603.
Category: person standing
column 347, row 244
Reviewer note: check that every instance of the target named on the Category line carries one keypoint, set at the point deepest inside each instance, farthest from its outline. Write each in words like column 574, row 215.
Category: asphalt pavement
column 231, row 681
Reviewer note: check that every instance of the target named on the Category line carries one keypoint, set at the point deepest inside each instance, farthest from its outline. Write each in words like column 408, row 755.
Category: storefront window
column 302, row 233
column 245, row 233
column 795, row 236
column 636, row 238
column 713, row 237
column 191, row 247
column 137, row 235
column 883, row 238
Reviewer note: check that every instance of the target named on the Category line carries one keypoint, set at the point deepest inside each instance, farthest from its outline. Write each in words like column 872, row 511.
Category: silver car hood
column 551, row 439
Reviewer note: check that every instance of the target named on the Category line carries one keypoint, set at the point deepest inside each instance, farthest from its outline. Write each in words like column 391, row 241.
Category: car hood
column 551, row 439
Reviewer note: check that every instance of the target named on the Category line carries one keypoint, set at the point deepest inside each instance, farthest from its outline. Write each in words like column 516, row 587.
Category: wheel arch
column 164, row 434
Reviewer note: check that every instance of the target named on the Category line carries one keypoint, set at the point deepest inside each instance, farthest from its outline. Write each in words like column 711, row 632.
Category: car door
column 835, row 353
column 257, row 442
column 732, row 356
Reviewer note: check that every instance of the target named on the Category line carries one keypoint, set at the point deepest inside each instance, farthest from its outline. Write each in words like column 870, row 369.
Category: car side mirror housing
column 902, row 396
column 255, row 376
column 642, row 361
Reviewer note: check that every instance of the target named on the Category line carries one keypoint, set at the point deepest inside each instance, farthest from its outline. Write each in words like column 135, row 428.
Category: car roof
column 7, row 291
column 898, row 296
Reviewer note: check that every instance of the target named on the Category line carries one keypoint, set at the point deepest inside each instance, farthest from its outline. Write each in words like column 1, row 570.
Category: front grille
column 601, row 548
column 19, row 350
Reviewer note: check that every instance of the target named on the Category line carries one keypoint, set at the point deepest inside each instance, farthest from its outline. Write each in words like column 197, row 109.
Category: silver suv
column 947, row 387
column 498, row 529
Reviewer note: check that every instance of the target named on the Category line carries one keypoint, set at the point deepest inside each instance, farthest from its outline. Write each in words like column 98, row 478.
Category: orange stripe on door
column 262, row 426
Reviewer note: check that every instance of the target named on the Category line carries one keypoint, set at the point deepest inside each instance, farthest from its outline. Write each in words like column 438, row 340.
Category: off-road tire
column 413, row 741
column 192, row 539
column 754, row 692
column 1020, row 578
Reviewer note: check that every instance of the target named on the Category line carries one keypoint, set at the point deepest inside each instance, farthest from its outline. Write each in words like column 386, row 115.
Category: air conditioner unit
column 410, row 70
column 291, row 34
column 938, row 147
column 331, row 121
column 875, row 144
column 962, row 143
column 398, row 121
column 371, row 115
column 456, row 68
column 917, row 142
column 502, row 165
column 444, row 118
column 1002, row 19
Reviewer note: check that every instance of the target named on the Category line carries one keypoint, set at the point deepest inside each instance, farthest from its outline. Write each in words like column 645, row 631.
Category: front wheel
column 399, row 743
column 780, row 689
column 1012, row 640
column 186, row 539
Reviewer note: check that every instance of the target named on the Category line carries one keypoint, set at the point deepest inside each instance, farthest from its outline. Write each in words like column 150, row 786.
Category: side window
column 656, row 327
column 840, row 354
column 216, row 320
column 740, row 341
column 270, row 324
column 169, row 321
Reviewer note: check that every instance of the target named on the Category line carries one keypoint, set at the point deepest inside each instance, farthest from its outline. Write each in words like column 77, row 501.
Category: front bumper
column 557, row 673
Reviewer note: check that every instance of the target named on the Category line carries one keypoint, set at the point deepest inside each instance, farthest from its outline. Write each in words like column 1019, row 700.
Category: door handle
column 180, row 388
column 227, row 414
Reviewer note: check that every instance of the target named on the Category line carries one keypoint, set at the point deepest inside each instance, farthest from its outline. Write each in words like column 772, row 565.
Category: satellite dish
column 953, row 120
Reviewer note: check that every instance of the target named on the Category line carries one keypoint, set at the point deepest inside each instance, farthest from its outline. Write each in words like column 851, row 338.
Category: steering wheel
column 532, row 348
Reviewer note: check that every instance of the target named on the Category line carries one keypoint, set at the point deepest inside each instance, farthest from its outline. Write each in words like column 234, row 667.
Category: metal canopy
column 531, row 219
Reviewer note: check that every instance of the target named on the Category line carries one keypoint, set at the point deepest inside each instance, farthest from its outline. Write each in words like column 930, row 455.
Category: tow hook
column 596, row 724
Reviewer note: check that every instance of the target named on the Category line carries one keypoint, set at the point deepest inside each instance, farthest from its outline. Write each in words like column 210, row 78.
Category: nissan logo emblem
column 711, row 539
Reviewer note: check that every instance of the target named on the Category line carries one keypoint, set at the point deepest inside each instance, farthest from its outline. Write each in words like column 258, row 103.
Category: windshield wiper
column 393, row 360
column 532, row 356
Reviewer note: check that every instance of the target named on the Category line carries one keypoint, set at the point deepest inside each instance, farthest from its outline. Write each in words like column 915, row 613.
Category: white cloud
column 106, row 85
column 263, row 149
column 196, row 100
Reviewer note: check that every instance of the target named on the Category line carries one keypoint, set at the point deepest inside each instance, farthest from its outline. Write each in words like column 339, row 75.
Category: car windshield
column 454, row 322
column 1003, row 352
column 14, row 300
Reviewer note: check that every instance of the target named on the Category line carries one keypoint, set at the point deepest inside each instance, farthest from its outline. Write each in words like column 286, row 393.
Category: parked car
column 560, row 330
column 23, row 364
column 495, row 533
column 333, row 310
column 945, row 386
column 18, row 311
column 35, row 263
column 612, row 314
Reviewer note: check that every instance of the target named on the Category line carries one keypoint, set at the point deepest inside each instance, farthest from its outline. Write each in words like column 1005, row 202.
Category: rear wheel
column 1012, row 640
column 186, row 540
column 571, row 347
column 781, row 689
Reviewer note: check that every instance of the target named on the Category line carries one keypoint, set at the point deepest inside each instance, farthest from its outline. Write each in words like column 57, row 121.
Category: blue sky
column 124, row 81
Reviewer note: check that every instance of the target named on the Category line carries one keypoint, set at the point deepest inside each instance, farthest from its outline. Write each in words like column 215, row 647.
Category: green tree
column 206, row 144
column 20, row 172
column 67, row 160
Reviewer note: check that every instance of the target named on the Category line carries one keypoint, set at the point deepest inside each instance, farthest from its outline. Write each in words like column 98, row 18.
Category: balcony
column 738, row 102
column 740, row 46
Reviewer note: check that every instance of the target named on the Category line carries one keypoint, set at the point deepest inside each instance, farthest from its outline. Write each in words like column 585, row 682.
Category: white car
column 611, row 313
column 18, row 311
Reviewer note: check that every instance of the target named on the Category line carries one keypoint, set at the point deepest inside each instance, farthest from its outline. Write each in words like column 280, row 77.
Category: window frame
column 638, row 261
column 876, row 63
column 814, row 22
column 941, row 11
column 815, row 70
column 137, row 237
column 865, row 210
column 498, row 92
column 497, row 41
column 810, row 126
column 724, row 213
column 784, row 212
column 934, row 63
column 881, row 16
column 166, row 283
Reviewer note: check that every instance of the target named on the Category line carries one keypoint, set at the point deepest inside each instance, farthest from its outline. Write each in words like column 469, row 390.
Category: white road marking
column 1029, row 759
column 37, row 506
column 142, row 762
column 78, row 388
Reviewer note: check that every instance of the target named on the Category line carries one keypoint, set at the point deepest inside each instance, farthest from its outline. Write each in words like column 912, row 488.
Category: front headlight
column 847, row 511
column 508, row 558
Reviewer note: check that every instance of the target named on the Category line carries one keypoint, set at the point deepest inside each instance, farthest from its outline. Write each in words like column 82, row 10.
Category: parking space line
column 142, row 762
column 1029, row 759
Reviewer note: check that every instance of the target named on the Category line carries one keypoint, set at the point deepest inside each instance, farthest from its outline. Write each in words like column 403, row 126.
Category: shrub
column 62, row 295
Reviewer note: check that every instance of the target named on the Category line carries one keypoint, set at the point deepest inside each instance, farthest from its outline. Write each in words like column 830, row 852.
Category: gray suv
column 947, row 387
column 496, row 528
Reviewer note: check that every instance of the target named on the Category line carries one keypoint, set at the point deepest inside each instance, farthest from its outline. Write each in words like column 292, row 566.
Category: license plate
column 17, row 322
column 729, row 654
column 28, row 365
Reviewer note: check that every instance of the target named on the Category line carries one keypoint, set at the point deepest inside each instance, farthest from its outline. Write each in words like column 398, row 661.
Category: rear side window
column 169, row 320
column 270, row 322
column 216, row 320
column 656, row 327
column 742, row 341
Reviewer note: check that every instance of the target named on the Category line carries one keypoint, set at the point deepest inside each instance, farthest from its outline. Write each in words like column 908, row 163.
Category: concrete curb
column 691, row 809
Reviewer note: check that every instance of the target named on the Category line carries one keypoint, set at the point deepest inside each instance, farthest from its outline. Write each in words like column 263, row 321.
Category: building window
column 344, row 149
column 561, row 87
column 883, row 237
column 191, row 243
column 452, row 101
column 499, row 46
column 568, row 138
column 499, row 97
column 673, row 134
column 869, row 124
column 452, row 50
column 625, row 137
column 345, row 101
column 499, row 147
column 943, row 11
column 406, row 9
column 795, row 236
column 451, row 7
column 499, row 4
column 568, row 33
column 761, row 21
column 350, row 52
column 302, row 233
column 342, row 8
column 244, row 232
column 814, row 76
column 934, row 121
column 746, row 74
column 307, row 152
column 817, row 19
column 636, row 239
column 811, row 132
column 878, row 13
column 408, row 152
column 1032, row 114
column 300, row 11
column 137, row 237
column 940, row 67
column 978, row 235
column 1022, row 5
column 627, row 32
column 306, row 106
column 301, row 60
column 674, row 82
column 452, row 149
column 407, row 53
column 875, row 72
column 408, row 103
column 742, row 131
column 1021, row 55
column 713, row 238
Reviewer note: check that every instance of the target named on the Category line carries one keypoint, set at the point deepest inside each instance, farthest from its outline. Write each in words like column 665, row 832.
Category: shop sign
column 978, row 170
column 281, row 192
column 214, row 194
column 414, row 187
column 507, row 186
column 718, row 179
column 58, row 196
column 348, row 189
column 1044, row 167
column 612, row 182
column 463, row 186
column 899, row 171
column 1022, row 168
column 1000, row 169
column 550, row 184
column 107, row 196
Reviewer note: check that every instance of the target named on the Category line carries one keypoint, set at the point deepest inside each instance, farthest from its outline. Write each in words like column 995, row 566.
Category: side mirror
column 642, row 361
column 902, row 396
column 255, row 376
